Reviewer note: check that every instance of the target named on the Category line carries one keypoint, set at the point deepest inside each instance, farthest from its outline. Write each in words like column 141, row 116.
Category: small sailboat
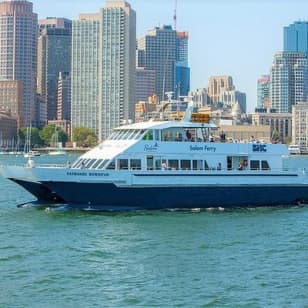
column 28, row 153
column 57, row 150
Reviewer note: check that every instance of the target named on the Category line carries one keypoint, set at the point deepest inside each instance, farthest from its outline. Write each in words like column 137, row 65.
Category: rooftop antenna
column 174, row 15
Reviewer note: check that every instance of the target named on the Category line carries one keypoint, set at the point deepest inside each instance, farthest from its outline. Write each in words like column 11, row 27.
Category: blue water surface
column 236, row 258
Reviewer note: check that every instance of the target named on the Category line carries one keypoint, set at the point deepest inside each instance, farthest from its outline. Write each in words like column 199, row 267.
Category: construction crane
column 174, row 15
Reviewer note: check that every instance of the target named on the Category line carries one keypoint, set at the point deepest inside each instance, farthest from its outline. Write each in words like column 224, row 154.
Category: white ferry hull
column 162, row 190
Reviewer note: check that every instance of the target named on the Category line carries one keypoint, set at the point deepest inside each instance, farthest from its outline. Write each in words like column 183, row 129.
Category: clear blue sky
column 227, row 37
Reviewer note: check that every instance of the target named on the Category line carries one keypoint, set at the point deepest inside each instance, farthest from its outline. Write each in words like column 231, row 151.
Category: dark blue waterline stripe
column 218, row 174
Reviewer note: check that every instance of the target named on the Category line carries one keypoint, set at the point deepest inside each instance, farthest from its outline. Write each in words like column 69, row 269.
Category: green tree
column 49, row 132
column 275, row 136
column 84, row 136
column 34, row 133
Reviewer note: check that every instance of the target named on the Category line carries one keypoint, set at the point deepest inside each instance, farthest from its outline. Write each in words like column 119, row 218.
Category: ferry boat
column 167, row 165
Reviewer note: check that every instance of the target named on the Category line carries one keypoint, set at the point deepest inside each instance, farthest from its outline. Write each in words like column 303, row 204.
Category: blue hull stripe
column 82, row 195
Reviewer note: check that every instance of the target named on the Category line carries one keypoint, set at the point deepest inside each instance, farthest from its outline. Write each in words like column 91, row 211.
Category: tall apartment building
column 64, row 96
column 103, row 68
column 263, row 87
column 165, row 51
column 288, row 80
column 217, row 85
column 54, row 23
column 18, row 54
column 54, row 56
column 159, row 47
column 295, row 37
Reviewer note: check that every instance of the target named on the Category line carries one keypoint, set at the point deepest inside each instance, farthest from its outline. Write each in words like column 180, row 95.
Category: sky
column 227, row 37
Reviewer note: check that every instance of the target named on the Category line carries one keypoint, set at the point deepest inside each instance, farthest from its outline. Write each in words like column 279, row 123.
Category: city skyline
column 241, row 37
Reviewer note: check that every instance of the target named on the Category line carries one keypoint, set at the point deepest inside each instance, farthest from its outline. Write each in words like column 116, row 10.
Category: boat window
column 123, row 164
column 135, row 164
column 157, row 133
column 132, row 134
column 111, row 137
column 98, row 161
column 157, row 163
column 90, row 163
column 103, row 164
column 111, row 165
column 167, row 136
column 87, row 162
column 254, row 164
column 197, row 164
column 119, row 135
column 173, row 164
column 265, row 165
column 76, row 163
column 148, row 135
column 150, row 162
column 138, row 134
column 185, row 164
column 126, row 134
column 206, row 166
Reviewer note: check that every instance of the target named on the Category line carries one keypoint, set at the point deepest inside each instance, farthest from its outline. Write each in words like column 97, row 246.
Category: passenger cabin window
column 255, row 165
column 148, row 135
column 123, row 164
column 185, row 164
column 135, row 164
column 265, row 165
column 98, row 161
column 111, row 165
column 197, row 165
column 173, row 164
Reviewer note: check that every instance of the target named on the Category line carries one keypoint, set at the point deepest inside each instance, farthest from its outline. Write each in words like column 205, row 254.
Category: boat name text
column 75, row 173
column 259, row 147
column 202, row 148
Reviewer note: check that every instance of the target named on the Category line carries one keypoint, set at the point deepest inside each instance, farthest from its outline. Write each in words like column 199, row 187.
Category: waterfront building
column 263, row 88
column 54, row 56
column 11, row 98
column 217, row 85
column 103, row 68
column 300, row 125
column 8, row 130
column 288, row 80
column 18, row 54
column 295, row 37
column 279, row 123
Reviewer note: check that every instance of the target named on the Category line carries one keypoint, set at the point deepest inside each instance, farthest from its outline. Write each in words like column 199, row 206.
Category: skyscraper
column 288, row 80
column 54, row 56
column 159, row 46
column 217, row 85
column 295, row 37
column 103, row 68
column 18, row 55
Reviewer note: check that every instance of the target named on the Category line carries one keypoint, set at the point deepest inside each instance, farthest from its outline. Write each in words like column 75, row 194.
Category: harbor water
column 212, row 258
